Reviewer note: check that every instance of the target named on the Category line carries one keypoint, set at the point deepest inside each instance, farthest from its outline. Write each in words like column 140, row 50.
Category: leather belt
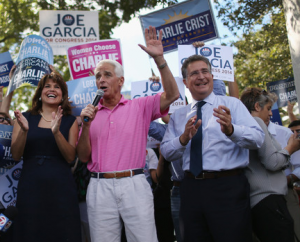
column 117, row 174
column 176, row 183
column 214, row 174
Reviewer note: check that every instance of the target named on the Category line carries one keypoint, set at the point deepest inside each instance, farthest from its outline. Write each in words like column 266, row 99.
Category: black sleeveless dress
column 47, row 199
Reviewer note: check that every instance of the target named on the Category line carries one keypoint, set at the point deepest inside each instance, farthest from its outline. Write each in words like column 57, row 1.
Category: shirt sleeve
column 247, row 132
column 153, row 160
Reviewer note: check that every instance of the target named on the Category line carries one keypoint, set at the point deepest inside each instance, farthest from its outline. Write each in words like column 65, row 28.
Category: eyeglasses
column 197, row 73
column 2, row 120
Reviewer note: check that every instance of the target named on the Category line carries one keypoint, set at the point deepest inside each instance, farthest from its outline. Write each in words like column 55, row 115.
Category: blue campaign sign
column 285, row 91
column 183, row 23
column 81, row 92
column 6, row 64
column 33, row 62
column 275, row 115
column 5, row 139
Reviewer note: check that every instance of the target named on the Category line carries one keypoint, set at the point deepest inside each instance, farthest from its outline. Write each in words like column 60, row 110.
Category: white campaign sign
column 150, row 88
column 220, row 57
column 63, row 29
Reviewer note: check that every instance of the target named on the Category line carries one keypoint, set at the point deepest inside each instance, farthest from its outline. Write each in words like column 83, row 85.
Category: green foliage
column 263, row 56
column 244, row 14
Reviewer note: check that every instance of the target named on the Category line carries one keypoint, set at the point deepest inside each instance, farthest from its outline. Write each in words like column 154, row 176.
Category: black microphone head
column 100, row 92
column 11, row 212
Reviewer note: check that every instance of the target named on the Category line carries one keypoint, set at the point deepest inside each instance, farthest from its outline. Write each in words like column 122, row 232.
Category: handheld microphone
column 7, row 218
column 96, row 100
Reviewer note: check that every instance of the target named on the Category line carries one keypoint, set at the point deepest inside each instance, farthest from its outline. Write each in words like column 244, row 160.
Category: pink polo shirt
column 119, row 137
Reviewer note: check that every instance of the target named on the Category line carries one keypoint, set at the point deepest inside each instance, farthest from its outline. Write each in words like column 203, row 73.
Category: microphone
column 96, row 100
column 7, row 218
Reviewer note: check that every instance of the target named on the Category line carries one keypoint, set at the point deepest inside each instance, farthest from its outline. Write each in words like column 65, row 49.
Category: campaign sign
column 285, row 91
column 275, row 118
column 6, row 64
column 150, row 88
column 63, row 29
column 151, row 142
column 5, row 139
column 220, row 58
column 83, row 58
column 9, row 184
column 81, row 92
column 183, row 23
column 32, row 63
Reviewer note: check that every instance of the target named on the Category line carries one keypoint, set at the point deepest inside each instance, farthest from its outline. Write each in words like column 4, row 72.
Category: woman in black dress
column 46, row 136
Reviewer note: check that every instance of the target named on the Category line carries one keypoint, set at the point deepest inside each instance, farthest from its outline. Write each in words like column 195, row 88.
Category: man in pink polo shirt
column 113, row 141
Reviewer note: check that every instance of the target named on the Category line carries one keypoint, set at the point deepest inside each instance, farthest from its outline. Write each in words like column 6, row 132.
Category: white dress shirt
column 219, row 151
column 282, row 135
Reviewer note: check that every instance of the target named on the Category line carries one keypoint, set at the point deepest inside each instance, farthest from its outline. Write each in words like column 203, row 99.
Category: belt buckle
column 115, row 174
column 200, row 178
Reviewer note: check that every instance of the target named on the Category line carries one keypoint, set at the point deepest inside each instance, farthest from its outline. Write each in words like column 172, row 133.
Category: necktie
column 196, row 146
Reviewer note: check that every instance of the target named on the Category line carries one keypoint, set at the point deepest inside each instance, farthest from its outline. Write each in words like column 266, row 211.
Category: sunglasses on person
column 3, row 118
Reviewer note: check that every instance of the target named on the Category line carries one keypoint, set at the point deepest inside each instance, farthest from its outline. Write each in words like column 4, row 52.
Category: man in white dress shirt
column 215, row 203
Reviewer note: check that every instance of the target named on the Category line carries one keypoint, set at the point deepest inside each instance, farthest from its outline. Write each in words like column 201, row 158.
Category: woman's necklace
column 45, row 118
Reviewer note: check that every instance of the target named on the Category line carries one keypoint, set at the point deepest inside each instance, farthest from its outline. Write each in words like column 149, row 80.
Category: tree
column 263, row 56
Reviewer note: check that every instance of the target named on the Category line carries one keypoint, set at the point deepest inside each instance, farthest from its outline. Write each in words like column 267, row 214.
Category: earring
column 62, row 100
column 40, row 99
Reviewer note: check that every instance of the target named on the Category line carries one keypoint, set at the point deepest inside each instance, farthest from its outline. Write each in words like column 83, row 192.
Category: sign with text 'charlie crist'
column 67, row 28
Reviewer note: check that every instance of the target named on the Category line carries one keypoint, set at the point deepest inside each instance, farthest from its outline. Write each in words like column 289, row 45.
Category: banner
column 5, row 139
column 82, row 59
column 9, row 185
column 220, row 57
column 32, row 63
column 150, row 88
column 6, row 64
column 183, row 23
column 63, row 29
column 285, row 91
column 276, row 119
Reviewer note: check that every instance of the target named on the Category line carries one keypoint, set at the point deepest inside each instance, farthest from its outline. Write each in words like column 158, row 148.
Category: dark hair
column 6, row 115
column 192, row 59
column 57, row 78
column 252, row 95
column 294, row 123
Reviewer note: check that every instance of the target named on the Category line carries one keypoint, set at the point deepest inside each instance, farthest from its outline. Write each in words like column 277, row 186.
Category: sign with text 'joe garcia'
column 66, row 28
column 220, row 58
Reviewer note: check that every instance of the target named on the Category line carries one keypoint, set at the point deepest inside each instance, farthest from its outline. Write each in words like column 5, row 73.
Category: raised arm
column 66, row 147
column 154, row 48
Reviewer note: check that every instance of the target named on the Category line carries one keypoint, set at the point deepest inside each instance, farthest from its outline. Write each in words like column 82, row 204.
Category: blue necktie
column 196, row 146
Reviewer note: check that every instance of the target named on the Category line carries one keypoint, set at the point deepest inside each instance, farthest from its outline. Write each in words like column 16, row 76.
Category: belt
column 117, row 174
column 176, row 183
column 214, row 174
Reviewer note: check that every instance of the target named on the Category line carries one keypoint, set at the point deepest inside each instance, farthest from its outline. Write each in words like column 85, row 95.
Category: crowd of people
column 223, row 171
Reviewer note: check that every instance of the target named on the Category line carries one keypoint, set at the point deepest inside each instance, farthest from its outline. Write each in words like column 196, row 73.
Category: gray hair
column 192, row 59
column 253, row 95
column 119, row 71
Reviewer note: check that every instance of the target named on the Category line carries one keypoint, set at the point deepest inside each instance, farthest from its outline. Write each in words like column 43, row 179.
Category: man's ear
column 121, row 81
column 257, row 107
column 185, row 83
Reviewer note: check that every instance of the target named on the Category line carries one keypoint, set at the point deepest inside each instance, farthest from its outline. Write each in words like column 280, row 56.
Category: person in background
column 45, row 136
column 265, row 174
